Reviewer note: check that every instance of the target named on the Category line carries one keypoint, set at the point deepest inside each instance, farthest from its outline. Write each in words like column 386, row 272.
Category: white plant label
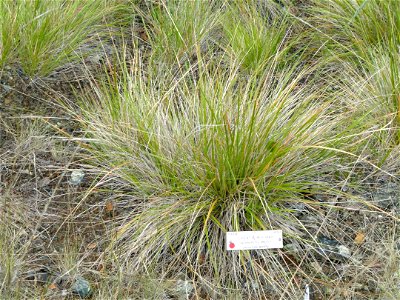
column 252, row 240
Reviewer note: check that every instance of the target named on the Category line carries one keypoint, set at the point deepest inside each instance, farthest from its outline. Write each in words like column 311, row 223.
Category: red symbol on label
column 231, row 245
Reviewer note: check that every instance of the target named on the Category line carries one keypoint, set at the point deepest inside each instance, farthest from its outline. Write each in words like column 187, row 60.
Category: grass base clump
column 209, row 156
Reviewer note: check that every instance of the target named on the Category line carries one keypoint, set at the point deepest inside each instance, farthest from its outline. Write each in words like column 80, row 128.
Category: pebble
column 40, row 276
column 81, row 287
column 6, row 89
column 333, row 249
column 76, row 177
column 183, row 289
column 387, row 196
column 292, row 248
column 344, row 251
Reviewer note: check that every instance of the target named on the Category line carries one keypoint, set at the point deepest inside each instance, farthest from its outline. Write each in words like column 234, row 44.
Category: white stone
column 344, row 251
column 184, row 287
column 76, row 177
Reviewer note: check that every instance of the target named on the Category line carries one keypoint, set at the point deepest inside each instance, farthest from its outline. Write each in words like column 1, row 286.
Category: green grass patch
column 43, row 35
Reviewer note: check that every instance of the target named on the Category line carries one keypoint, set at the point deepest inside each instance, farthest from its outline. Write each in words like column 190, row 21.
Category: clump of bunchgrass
column 359, row 42
column 383, row 88
column 185, row 156
column 372, row 95
column 354, row 28
column 43, row 35
column 176, row 29
column 207, row 155
column 256, row 35
column 8, row 30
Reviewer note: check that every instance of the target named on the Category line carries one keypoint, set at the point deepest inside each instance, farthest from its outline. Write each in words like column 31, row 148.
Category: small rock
column 387, row 195
column 333, row 249
column 183, row 288
column 344, row 251
column 39, row 276
column 327, row 241
column 81, row 287
column 76, row 177
column 6, row 89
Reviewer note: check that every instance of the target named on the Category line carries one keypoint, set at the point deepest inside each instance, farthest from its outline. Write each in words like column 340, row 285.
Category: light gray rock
column 76, row 177
column 343, row 251
column 183, row 289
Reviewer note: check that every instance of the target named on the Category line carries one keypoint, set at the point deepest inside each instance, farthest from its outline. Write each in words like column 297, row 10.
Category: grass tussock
column 256, row 35
column 366, row 48
column 32, row 33
column 217, row 154
column 358, row 27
